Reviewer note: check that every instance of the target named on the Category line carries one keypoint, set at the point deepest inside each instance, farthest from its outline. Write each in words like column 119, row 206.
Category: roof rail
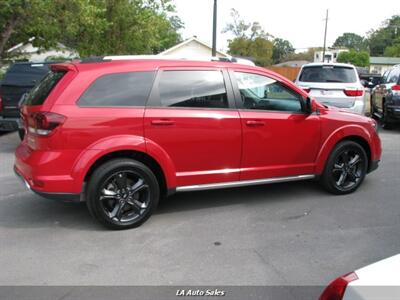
column 169, row 57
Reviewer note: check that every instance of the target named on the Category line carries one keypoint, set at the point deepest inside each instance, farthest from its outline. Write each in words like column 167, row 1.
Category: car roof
column 319, row 64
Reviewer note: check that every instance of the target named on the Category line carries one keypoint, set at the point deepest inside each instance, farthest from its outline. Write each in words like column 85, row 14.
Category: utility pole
column 214, row 42
column 326, row 29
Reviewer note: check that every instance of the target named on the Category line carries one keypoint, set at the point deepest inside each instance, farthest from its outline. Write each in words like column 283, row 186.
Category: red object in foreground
column 177, row 125
column 336, row 289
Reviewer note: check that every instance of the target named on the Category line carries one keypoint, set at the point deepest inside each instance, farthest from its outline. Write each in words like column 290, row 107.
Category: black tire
column 21, row 133
column 385, row 123
column 122, row 194
column 339, row 176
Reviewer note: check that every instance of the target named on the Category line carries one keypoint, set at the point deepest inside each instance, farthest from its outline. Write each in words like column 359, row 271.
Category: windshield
column 39, row 93
column 328, row 74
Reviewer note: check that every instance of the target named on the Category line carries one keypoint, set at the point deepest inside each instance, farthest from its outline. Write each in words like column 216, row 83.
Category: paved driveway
column 283, row 234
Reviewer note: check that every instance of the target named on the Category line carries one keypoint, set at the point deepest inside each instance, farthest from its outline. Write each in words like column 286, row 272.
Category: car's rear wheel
column 345, row 169
column 122, row 193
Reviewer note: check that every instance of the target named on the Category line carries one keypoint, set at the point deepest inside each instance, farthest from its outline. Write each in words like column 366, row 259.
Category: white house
column 331, row 55
column 380, row 65
column 35, row 54
column 191, row 48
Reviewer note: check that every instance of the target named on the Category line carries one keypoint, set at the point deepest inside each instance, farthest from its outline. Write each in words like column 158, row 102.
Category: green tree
column 357, row 58
column 351, row 41
column 282, row 48
column 393, row 51
column 92, row 27
column 250, row 40
column 307, row 55
column 384, row 37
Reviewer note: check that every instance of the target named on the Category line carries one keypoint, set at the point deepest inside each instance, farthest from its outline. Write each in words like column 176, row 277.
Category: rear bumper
column 10, row 124
column 65, row 197
column 358, row 105
column 47, row 172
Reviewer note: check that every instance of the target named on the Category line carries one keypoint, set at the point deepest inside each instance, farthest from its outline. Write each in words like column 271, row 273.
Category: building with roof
column 331, row 55
column 379, row 65
column 192, row 48
column 27, row 51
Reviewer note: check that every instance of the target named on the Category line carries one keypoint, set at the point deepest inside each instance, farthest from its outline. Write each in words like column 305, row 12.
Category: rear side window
column 119, row 89
column 328, row 74
column 25, row 74
column 39, row 93
column 193, row 89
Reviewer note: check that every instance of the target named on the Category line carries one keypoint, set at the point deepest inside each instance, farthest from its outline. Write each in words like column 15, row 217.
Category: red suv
column 121, row 134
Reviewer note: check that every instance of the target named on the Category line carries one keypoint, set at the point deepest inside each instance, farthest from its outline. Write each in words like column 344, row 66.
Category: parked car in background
column 380, row 280
column 370, row 80
column 385, row 98
column 120, row 134
column 333, row 85
column 19, row 79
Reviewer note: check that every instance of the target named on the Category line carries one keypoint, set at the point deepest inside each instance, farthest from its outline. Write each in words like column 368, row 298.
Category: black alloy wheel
column 346, row 168
column 124, row 196
column 122, row 193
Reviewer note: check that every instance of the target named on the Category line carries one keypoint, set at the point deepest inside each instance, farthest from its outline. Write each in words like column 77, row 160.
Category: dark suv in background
column 19, row 79
column 385, row 98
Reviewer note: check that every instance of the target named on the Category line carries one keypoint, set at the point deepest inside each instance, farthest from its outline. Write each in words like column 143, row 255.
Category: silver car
column 333, row 84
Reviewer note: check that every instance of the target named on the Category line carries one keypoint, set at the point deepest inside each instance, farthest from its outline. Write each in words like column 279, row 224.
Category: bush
column 357, row 58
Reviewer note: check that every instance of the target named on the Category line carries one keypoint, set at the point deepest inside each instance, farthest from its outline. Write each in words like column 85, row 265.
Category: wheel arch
column 125, row 147
column 352, row 133
column 142, row 157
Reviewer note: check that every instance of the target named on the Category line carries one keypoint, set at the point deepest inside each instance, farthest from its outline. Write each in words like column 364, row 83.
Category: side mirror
column 308, row 106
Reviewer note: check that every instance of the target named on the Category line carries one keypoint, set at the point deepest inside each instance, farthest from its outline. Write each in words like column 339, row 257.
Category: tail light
column 353, row 93
column 307, row 90
column 1, row 104
column 335, row 290
column 396, row 89
column 43, row 123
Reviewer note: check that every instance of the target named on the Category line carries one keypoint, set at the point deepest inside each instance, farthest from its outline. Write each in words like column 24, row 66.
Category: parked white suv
column 333, row 84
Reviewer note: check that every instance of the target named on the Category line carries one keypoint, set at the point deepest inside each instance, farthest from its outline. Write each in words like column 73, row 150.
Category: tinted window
column 394, row 76
column 328, row 74
column 25, row 74
column 119, row 89
column 39, row 93
column 385, row 77
column 261, row 92
column 193, row 89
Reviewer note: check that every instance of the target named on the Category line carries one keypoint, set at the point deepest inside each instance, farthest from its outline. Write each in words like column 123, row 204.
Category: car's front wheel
column 345, row 169
column 122, row 193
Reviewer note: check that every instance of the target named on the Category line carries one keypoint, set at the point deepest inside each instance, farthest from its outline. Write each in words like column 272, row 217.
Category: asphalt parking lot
column 283, row 234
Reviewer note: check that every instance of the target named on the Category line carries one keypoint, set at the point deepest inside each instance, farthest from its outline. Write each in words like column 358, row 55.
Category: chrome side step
column 211, row 186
